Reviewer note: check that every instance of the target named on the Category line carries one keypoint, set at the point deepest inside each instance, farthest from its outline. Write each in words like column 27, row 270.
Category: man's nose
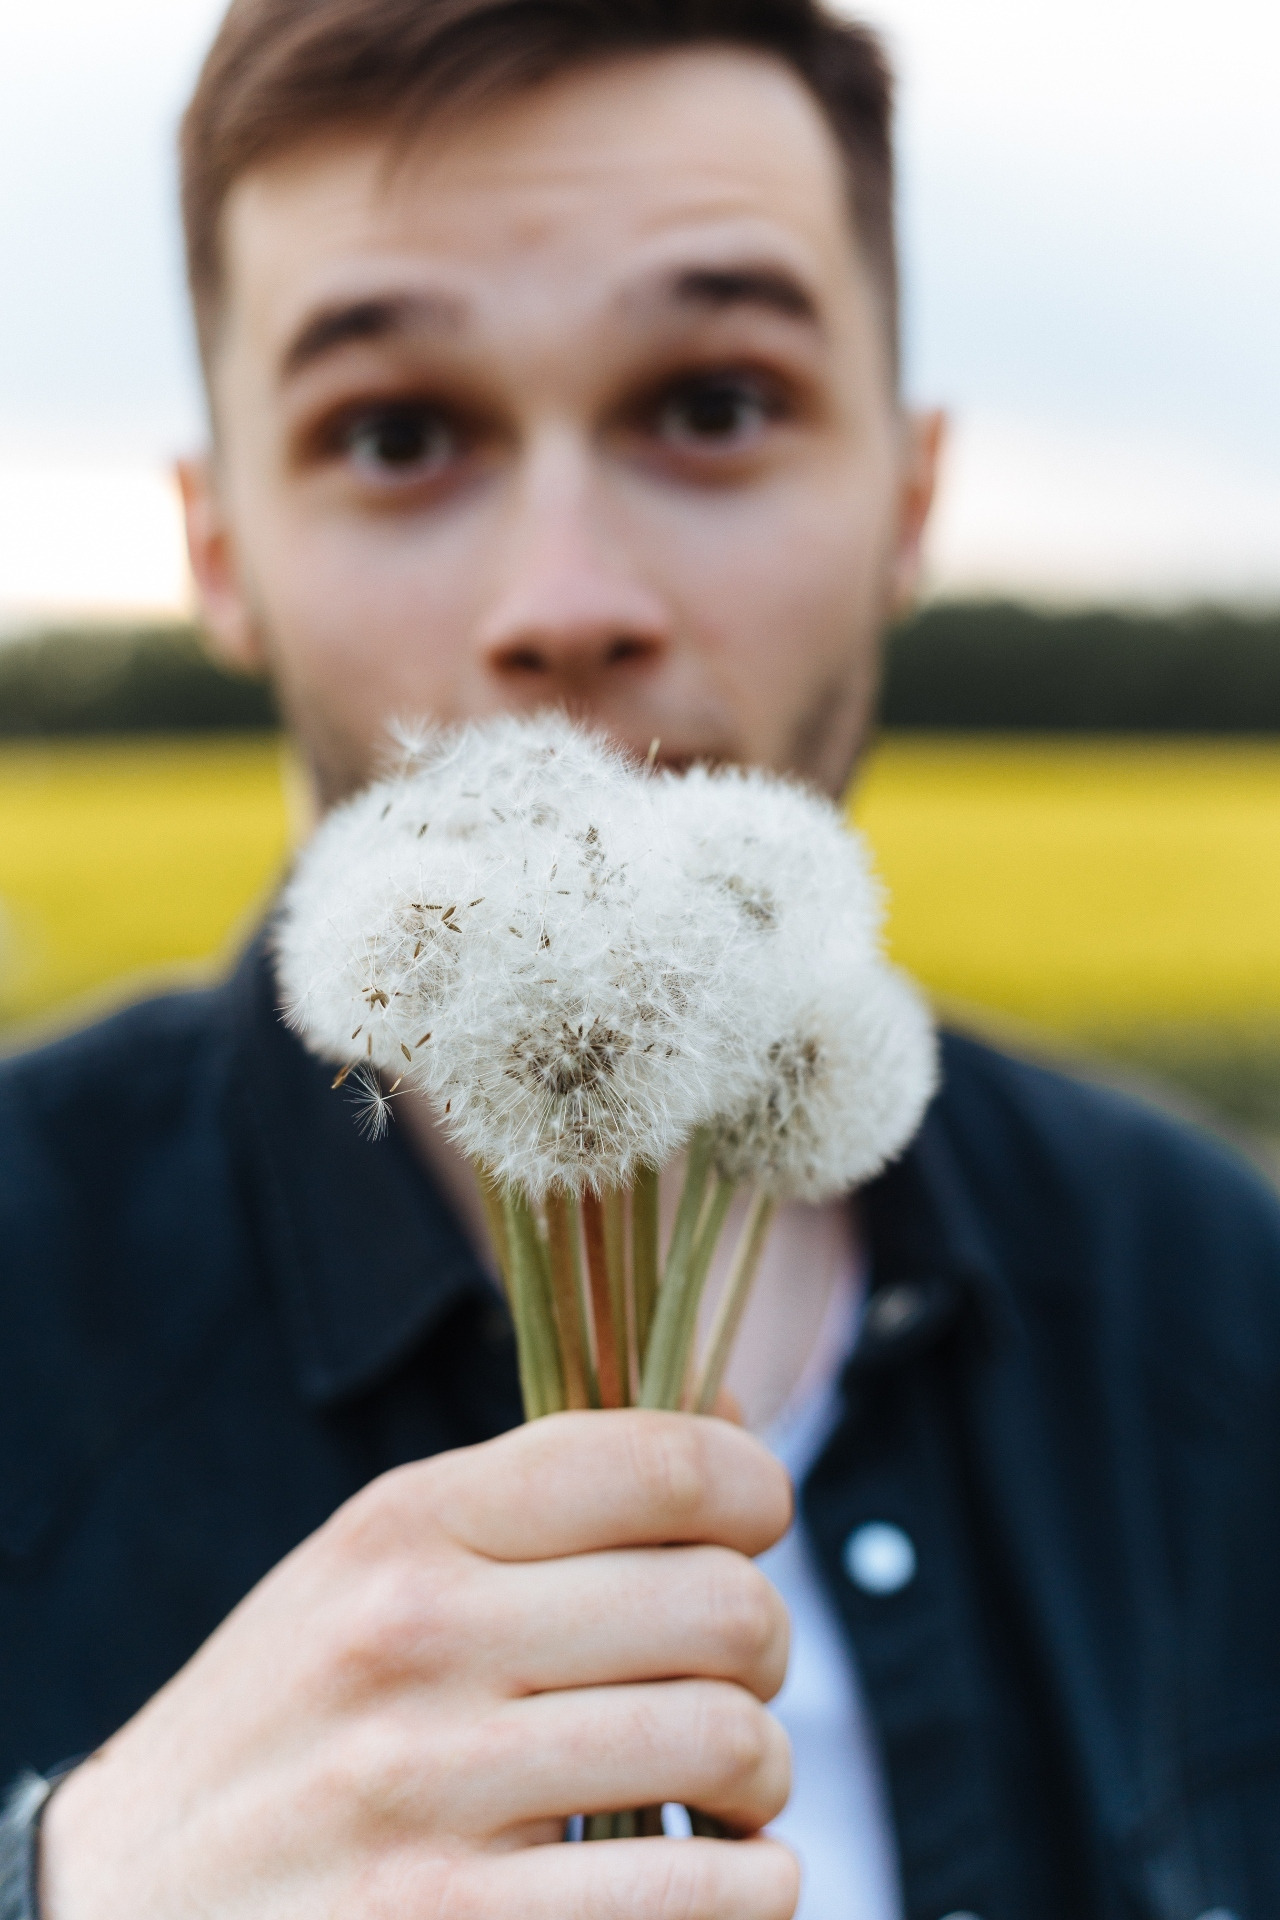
column 571, row 609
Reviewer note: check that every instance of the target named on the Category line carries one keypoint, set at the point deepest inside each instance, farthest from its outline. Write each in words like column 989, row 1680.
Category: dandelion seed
column 405, row 1051
column 372, row 1104
column 340, row 1077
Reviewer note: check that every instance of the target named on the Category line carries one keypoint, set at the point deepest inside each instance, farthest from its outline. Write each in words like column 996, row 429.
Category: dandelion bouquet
column 590, row 969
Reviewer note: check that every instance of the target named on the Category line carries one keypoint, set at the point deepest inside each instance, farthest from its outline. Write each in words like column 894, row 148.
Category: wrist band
column 20, row 1819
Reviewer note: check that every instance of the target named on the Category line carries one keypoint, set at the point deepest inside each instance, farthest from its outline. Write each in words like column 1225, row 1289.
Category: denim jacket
column 222, row 1311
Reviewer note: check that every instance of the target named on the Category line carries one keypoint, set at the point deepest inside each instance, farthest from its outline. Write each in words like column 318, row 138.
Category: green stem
column 581, row 1387
column 612, row 1385
column 615, row 1259
column 729, row 1308
column 704, row 1247
column 668, row 1320
column 541, row 1380
column 644, row 1254
column 495, row 1218
column 620, row 1826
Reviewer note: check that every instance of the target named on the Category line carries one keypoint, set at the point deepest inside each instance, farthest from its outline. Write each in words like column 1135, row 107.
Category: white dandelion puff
column 781, row 855
column 838, row 1091
column 507, row 924
column 832, row 1052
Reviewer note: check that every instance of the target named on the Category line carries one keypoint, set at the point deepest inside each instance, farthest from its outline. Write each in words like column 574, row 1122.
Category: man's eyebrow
column 772, row 287
column 378, row 318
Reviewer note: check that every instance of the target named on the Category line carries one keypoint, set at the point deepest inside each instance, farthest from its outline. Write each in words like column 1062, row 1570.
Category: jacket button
column 894, row 1311
column 880, row 1558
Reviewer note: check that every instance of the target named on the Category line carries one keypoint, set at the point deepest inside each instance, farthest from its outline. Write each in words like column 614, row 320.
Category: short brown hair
column 281, row 71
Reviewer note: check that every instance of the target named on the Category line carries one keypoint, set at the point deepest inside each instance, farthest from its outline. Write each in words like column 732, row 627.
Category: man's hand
column 398, row 1720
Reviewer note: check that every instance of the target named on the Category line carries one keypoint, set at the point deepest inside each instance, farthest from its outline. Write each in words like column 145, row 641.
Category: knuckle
column 379, row 1634
column 737, row 1741
column 371, row 1520
column 394, row 1626
column 669, row 1464
column 357, row 1781
column 493, row 1747
column 748, row 1616
column 459, row 1892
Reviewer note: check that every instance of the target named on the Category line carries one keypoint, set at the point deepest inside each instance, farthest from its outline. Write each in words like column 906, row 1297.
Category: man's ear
column 231, row 631
column 923, row 440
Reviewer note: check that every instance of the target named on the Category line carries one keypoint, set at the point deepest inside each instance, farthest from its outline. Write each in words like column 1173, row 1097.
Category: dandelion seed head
column 544, row 931
column 839, row 1091
column 780, row 853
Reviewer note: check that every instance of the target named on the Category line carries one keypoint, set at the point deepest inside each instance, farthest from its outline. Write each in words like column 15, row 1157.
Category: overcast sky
column 1091, row 220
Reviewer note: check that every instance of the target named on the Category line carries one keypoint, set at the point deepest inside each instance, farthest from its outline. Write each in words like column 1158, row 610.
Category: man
column 551, row 359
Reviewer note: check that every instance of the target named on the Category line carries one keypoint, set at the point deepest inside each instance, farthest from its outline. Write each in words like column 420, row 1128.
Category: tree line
column 964, row 666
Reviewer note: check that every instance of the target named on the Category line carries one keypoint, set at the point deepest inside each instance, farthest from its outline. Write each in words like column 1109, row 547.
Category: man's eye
column 719, row 411
column 400, row 439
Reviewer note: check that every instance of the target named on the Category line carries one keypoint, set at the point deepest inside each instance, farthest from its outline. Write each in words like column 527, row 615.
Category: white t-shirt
column 837, row 1819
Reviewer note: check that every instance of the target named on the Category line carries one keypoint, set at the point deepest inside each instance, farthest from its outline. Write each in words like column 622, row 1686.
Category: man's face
column 583, row 400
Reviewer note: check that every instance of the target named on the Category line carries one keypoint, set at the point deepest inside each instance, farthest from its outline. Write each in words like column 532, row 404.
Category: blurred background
column 1075, row 799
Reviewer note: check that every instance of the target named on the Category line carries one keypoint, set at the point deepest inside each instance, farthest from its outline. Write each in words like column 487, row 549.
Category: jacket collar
column 364, row 1254
column 930, row 1254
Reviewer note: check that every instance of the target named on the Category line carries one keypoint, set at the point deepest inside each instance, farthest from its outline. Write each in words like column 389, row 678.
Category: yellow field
column 1085, row 886
column 125, row 862
column 1082, row 887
